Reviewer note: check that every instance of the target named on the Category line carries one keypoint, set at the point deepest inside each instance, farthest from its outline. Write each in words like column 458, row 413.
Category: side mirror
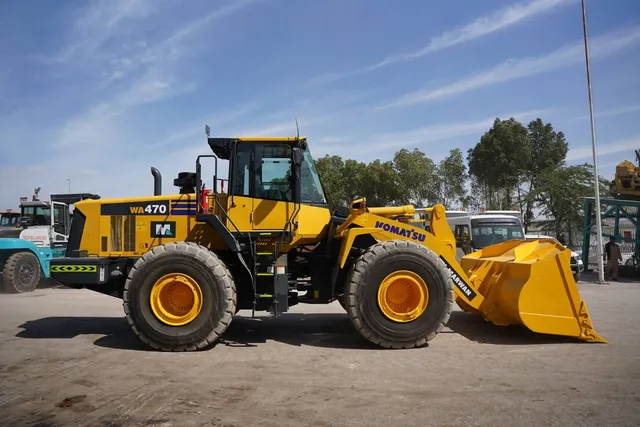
column 297, row 156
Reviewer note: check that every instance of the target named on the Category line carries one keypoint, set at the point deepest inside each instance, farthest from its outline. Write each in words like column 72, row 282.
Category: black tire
column 219, row 297
column 21, row 272
column 342, row 302
column 365, row 278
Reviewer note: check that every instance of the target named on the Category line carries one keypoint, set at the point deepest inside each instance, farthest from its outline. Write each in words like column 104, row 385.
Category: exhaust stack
column 157, row 181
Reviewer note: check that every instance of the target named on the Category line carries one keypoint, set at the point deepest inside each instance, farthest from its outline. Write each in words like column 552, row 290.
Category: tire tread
column 354, row 282
column 218, row 268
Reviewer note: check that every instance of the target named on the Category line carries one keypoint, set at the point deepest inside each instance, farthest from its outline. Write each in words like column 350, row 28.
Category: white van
column 474, row 232
column 514, row 213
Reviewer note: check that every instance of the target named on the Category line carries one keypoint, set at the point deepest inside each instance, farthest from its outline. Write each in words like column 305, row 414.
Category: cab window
column 263, row 171
column 60, row 219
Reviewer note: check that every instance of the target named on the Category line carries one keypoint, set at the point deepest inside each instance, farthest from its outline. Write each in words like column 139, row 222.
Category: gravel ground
column 68, row 358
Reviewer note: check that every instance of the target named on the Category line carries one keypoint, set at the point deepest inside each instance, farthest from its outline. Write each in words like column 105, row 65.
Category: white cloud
column 604, row 149
column 105, row 147
column 418, row 137
column 513, row 69
column 96, row 24
column 172, row 48
column 613, row 112
column 501, row 19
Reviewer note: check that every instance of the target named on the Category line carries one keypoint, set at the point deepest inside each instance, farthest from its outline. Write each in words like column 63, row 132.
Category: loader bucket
column 529, row 283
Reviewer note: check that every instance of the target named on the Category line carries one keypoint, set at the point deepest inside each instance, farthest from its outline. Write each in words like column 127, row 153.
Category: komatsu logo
column 404, row 232
column 458, row 281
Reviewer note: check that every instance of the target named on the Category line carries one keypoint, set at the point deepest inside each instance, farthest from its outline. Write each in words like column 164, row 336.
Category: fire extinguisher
column 204, row 199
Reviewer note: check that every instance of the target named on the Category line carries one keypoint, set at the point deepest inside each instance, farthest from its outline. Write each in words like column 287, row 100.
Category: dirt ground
column 68, row 358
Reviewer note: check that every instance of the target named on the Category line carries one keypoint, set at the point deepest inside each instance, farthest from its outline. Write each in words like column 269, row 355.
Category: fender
column 9, row 246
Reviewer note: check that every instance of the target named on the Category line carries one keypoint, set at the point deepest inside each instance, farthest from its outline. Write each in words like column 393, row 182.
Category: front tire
column 21, row 273
column 418, row 299
column 179, row 297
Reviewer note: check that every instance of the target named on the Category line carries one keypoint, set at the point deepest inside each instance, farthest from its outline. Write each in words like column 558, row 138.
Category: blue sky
column 99, row 91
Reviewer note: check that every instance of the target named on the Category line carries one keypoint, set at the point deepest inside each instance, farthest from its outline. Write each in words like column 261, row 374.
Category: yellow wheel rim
column 403, row 296
column 176, row 299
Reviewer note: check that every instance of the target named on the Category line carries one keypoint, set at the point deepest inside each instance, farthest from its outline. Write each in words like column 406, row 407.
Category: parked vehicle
column 41, row 235
column 474, row 232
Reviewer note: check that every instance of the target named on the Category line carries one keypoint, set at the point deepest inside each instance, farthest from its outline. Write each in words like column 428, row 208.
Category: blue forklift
column 41, row 234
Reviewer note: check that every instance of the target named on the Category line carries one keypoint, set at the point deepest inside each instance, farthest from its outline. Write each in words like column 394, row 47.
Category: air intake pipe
column 157, row 181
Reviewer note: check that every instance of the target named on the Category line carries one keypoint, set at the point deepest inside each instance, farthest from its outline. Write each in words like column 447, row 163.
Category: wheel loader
column 626, row 182
column 184, row 264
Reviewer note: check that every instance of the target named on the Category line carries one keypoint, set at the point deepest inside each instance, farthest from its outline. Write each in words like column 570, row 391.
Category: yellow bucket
column 529, row 283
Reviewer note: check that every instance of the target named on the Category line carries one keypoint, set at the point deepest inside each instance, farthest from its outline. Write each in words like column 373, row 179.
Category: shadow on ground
column 624, row 277
column 316, row 330
column 475, row 328
column 42, row 284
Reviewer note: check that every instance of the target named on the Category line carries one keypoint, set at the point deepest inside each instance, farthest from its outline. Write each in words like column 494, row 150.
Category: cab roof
column 221, row 147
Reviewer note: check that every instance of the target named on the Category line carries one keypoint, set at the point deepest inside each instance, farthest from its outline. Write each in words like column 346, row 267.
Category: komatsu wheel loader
column 185, row 263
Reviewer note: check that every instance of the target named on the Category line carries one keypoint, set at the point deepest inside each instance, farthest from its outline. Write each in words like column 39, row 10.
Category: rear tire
column 366, row 277
column 216, row 293
column 342, row 302
column 21, row 273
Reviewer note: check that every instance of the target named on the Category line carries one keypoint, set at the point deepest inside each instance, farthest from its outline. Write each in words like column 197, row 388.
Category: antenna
column 297, row 129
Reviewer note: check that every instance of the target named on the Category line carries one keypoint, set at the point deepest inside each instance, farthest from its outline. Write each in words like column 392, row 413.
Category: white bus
column 514, row 212
column 474, row 232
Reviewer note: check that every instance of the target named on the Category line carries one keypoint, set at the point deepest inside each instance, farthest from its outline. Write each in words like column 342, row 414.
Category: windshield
column 310, row 186
column 40, row 215
column 489, row 234
column 9, row 219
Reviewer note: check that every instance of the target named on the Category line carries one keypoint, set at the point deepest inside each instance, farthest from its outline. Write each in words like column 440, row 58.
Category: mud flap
column 529, row 283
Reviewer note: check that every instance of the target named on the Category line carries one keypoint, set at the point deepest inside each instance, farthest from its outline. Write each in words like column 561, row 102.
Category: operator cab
column 265, row 168
column 9, row 219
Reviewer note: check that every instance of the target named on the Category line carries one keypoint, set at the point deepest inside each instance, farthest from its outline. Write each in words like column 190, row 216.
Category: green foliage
column 331, row 171
column 499, row 160
column 548, row 150
column 450, row 177
column 512, row 165
column 560, row 194
column 417, row 177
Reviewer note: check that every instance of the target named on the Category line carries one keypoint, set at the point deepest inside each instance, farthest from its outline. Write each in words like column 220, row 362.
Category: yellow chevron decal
column 73, row 268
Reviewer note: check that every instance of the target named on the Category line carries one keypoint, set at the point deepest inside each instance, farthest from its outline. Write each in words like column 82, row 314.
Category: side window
column 60, row 219
column 242, row 173
column 310, row 186
column 273, row 170
column 462, row 232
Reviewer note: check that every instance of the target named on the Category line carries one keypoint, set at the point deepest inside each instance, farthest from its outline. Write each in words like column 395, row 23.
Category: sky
column 94, row 93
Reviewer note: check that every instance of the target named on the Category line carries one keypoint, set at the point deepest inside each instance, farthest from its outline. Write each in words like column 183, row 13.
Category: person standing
column 612, row 256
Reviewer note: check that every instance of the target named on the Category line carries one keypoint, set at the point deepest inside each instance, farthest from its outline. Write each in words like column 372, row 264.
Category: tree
column 499, row 160
column 331, row 171
column 548, row 150
column 417, row 177
column 380, row 184
column 354, row 179
column 451, row 179
column 560, row 192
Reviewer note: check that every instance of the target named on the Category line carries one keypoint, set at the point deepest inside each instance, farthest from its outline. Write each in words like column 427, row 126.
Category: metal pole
column 595, row 151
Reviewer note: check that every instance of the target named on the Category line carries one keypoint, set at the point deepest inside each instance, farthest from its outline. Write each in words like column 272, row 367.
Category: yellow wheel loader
column 185, row 263
column 626, row 182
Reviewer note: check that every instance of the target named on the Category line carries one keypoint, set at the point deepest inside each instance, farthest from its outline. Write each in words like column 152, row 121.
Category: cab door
column 60, row 223
column 273, row 186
